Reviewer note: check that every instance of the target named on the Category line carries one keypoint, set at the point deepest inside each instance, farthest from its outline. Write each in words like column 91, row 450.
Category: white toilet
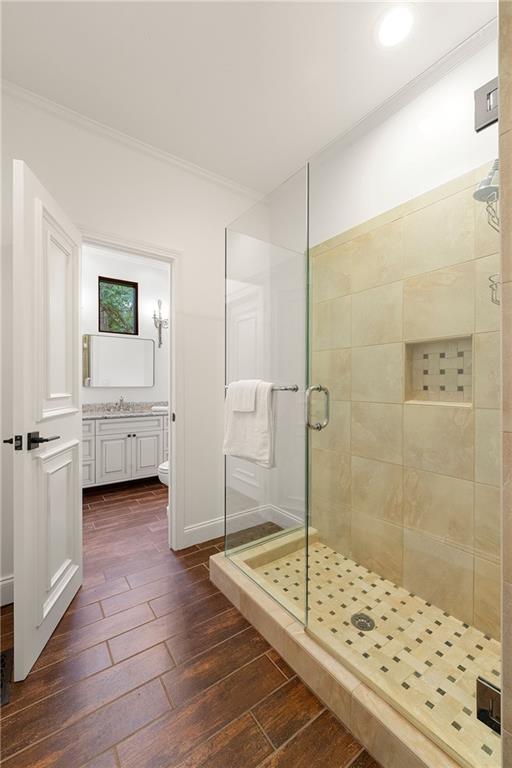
column 163, row 472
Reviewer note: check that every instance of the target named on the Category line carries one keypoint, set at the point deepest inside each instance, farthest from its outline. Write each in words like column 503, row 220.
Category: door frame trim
column 173, row 257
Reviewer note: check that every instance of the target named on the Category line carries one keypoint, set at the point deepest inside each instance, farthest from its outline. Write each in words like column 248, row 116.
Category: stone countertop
column 120, row 415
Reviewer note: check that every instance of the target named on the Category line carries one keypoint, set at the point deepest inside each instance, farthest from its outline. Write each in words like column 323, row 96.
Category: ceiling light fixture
column 395, row 25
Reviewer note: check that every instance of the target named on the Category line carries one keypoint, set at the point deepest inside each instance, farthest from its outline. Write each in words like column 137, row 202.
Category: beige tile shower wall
column 411, row 489
column 505, row 128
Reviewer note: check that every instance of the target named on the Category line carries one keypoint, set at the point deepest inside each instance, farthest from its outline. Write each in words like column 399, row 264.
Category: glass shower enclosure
column 378, row 524
column 267, row 308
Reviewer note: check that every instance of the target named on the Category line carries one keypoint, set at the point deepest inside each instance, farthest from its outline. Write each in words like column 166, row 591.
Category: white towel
column 160, row 409
column 250, row 434
column 243, row 394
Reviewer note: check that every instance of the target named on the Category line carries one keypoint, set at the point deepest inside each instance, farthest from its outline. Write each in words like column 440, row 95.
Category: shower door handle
column 319, row 424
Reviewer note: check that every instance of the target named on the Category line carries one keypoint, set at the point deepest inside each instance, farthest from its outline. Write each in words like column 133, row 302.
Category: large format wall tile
column 377, row 257
column 440, row 304
column 336, row 436
column 377, row 315
column 487, row 314
column 439, row 505
column 424, row 472
column 330, row 477
column 439, row 573
column 331, row 273
column 487, row 597
column 380, row 550
column 487, row 374
column 440, row 234
column 506, row 204
column 332, row 369
column 377, row 431
column 331, row 324
column 505, row 124
column 487, row 446
column 377, row 373
column 506, row 357
column 377, row 489
column 487, row 239
column 487, row 521
column 439, row 438
column 332, row 521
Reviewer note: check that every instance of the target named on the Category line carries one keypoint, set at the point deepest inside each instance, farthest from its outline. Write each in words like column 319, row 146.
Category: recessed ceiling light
column 395, row 26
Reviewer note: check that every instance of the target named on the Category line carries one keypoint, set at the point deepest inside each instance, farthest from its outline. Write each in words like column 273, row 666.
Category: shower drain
column 363, row 622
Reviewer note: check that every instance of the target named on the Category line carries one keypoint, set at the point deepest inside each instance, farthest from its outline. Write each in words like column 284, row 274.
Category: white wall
column 108, row 187
column 153, row 283
column 421, row 146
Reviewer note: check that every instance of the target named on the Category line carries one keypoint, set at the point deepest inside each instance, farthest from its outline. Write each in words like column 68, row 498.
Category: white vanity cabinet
column 123, row 448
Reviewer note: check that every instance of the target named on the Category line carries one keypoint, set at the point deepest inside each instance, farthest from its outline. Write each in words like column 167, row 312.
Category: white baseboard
column 238, row 521
column 6, row 590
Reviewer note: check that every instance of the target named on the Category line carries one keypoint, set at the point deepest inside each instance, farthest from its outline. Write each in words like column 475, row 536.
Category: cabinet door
column 88, row 474
column 113, row 458
column 147, row 453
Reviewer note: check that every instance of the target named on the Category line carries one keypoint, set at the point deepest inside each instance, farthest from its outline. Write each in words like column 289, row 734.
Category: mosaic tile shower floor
column 423, row 661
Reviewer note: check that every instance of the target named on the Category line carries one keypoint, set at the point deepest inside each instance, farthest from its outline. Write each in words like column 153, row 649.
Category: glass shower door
column 267, row 339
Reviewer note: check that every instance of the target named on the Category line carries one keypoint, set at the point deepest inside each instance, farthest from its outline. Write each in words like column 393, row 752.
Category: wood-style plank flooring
column 151, row 666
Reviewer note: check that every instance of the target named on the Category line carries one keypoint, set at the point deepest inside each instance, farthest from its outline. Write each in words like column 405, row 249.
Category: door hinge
column 488, row 704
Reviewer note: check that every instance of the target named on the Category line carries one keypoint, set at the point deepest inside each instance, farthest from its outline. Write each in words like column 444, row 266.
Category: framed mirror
column 118, row 361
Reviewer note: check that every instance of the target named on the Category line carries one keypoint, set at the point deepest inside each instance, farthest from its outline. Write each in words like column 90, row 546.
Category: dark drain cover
column 363, row 622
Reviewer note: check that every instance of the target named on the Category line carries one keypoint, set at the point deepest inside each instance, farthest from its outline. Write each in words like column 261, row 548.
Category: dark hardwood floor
column 152, row 667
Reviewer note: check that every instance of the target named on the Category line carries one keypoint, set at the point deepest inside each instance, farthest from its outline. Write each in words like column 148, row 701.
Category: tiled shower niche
column 440, row 371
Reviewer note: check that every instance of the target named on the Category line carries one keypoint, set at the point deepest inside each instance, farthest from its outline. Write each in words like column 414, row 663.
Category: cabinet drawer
column 88, row 473
column 121, row 425
column 88, row 448
column 88, row 428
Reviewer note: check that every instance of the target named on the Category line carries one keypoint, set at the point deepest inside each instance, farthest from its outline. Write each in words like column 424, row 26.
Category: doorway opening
column 127, row 362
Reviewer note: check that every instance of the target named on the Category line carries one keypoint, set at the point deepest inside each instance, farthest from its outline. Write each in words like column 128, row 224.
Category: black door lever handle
column 9, row 440
column 33, row 440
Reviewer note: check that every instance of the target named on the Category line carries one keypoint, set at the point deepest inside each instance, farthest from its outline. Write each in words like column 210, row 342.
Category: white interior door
column 46, row 400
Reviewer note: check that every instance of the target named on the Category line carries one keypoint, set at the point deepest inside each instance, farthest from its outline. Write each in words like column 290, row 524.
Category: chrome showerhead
column 488, row 188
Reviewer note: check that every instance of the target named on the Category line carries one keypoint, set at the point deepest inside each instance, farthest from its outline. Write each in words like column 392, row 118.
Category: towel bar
column 283, row 388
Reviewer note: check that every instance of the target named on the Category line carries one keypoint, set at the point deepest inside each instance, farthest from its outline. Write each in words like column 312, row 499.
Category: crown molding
column 93, row 126
column 115, row 242
column 418, row 85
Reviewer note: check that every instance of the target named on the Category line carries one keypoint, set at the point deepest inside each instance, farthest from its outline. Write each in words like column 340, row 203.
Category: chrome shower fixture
column 494, row 284
column 487, row 192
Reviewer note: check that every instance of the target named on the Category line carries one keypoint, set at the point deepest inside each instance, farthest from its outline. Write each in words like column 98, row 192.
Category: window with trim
column 118, row 310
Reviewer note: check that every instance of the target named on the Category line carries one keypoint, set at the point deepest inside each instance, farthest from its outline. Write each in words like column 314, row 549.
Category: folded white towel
column 243, row 394
column 250, row 434
column 160, row 409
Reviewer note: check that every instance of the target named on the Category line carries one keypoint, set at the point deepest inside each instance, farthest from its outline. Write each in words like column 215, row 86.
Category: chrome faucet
column 120, row 404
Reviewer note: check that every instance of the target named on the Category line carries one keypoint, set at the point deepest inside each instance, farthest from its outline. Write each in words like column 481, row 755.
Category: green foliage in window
column 117, row 306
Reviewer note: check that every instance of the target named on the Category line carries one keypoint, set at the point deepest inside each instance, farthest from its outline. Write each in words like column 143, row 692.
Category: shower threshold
column 421, row 660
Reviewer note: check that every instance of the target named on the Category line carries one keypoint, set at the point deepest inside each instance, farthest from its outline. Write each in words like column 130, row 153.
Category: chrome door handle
column 319, row 424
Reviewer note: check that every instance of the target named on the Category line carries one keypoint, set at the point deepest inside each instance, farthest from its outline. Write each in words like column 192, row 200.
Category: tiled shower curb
column 390, row 738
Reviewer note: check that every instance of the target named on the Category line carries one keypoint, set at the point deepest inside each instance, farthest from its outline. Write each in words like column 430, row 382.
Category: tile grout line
column 79, row 719
column 212, row 735
column 263, row 731
column 303, row 728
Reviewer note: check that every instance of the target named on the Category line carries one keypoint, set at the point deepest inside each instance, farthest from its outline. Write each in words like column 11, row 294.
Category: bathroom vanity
column 121, row 446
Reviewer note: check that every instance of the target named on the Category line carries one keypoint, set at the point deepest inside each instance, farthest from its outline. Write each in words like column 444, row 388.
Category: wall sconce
column 160, row 322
